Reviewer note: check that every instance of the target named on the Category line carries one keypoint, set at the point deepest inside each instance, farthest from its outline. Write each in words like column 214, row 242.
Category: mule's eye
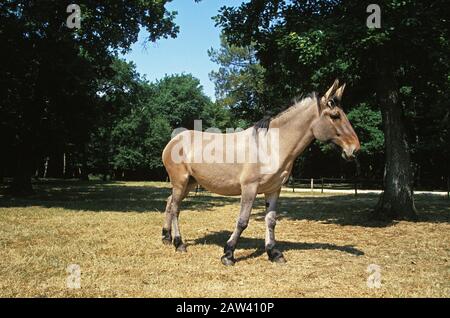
column 335, row 115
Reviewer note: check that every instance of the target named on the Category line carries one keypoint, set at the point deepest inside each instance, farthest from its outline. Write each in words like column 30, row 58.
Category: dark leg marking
column 166, row 236
column 228, row 256
column 275, row 255
column 179, row 245
column 242, row 225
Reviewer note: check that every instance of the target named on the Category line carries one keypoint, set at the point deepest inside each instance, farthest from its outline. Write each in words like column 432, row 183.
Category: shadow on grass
column 100, row 196
column 125, row 197
column 354, row 211
column 220, row 239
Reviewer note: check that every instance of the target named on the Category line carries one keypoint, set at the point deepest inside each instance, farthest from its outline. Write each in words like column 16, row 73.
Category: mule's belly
column 223, row 179
column 227, row 179
column 221, row 190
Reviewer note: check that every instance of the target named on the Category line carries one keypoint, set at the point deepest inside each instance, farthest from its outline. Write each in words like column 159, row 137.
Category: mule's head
column 332, row 125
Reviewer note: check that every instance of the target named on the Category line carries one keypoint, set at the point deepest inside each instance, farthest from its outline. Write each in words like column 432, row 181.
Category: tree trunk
column 2, row 171
column 46, row 167
column 64, row 166
column 21, row 184
column 397, row 201
column 84, row 174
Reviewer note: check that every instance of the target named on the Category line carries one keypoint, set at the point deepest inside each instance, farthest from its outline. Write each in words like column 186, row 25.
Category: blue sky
column 187, row 53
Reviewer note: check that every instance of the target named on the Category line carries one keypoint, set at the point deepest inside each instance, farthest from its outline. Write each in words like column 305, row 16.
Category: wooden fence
column 347, row 184
column 334, row 184
column 358, row 184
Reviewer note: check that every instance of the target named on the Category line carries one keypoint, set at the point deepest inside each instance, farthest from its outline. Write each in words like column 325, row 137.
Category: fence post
column 322, row 185
column 448, row 187
column 356, row 187
column 293, row 184
column 312, row 185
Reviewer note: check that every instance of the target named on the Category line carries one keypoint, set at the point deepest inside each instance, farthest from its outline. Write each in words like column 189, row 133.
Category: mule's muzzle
column 348, row 157
column 349, row 153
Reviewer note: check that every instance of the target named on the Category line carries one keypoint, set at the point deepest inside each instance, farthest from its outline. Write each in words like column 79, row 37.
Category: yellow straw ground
column 112, row 231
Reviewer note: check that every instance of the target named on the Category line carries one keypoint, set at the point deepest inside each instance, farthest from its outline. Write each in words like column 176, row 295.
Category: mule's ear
column 339, row 92
column 331, row 90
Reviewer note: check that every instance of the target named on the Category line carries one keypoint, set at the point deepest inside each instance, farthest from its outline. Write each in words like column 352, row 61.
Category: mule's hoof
column 276, row 256
column 166, row 237
column 167, row 241
column 279, row 260
column 227, row 261
column 181, row 248
column 179, row 245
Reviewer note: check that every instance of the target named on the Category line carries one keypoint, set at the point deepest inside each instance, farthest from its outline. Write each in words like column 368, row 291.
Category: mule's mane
column 299, row 101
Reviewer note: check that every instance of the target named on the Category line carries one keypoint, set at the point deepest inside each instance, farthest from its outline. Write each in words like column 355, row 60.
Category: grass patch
column 112, row 231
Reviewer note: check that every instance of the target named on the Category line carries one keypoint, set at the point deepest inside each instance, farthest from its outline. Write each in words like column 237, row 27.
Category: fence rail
column 334, row 184
column 356, row 184
column 348, row 184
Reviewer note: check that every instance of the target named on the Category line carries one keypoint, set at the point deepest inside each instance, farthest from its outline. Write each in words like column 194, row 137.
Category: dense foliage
column 69, row 107
column 400, row 70
column 50, row 74
column 140, row 118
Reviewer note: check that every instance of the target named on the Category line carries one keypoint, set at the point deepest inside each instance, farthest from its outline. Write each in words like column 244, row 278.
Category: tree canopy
column 400, row 69
column 128, row 142
column 239, row 81
column 50, row 74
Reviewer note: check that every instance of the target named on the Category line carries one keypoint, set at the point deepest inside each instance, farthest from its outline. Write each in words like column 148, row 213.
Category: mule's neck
column 295, row 131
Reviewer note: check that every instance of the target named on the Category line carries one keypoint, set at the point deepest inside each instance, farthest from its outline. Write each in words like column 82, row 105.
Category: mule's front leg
column 247, row 198
column 274, row 254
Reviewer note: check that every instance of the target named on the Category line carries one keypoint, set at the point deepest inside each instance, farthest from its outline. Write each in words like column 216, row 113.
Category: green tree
column 239, row 81
column 181, row 98
column 121, row 93
column 139, row 139
column 215, row 115
column 304, row 45
column 139, row 118
column 49, row 74
column 367, row 123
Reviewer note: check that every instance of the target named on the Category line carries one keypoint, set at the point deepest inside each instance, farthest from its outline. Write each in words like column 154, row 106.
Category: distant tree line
column 138, row 121
column 70, row 107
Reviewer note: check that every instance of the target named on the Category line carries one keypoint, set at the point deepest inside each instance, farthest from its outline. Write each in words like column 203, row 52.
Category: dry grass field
column 112, row 231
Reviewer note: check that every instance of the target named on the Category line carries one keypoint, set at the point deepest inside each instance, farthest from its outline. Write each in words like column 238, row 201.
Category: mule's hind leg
column 179, row 192
column 271, row 203
column 177, row 196
column 167, row 227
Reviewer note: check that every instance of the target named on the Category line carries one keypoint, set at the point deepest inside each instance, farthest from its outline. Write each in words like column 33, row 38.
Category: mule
column 313, row 117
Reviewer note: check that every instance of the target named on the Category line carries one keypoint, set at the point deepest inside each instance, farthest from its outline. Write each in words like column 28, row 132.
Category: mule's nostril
column 348, row 154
